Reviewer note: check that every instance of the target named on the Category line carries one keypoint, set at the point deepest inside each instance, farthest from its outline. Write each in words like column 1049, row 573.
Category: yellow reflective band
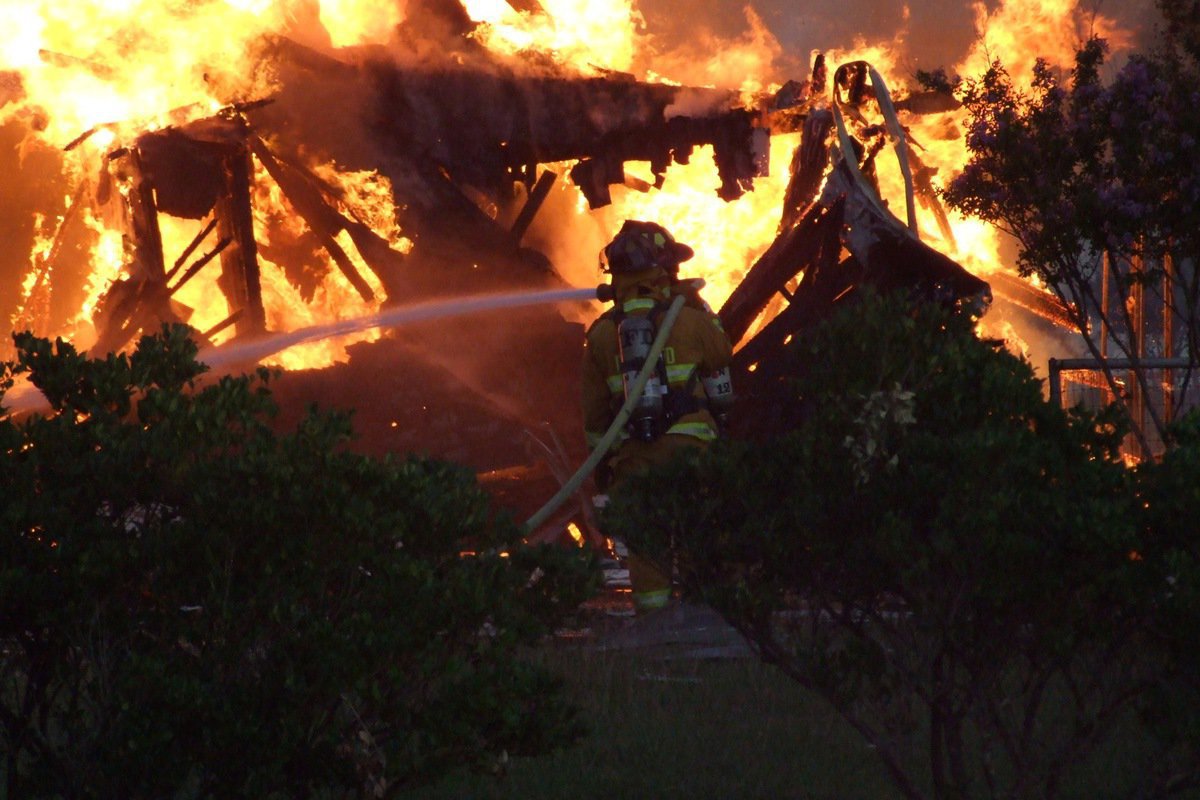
column 700, row 430
column 679, row 373
column 638, row 304
column 650, row 601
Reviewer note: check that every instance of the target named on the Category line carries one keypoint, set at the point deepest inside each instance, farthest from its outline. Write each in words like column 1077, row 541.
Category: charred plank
column 790, row 253
column 532, row 205
column 239, row 279
column 325, row 222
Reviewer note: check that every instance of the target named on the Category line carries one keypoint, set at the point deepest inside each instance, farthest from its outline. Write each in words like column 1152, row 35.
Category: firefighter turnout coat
column 696, row 346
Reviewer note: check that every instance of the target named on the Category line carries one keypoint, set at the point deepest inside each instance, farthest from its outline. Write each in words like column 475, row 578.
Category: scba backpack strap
column 635, row 337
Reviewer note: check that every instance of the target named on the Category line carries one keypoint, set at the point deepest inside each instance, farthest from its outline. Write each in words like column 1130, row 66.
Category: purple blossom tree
column 1081, row 171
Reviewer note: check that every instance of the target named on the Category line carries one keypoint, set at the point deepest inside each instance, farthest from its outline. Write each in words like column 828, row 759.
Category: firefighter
column 643, row 261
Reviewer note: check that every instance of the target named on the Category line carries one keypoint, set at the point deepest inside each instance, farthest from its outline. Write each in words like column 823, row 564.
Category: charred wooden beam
column 1037, row 301
column 223, row 324
column 890, row 254
column 199, row 265
column 533, row 204
column 192, row 245
column 790, row 253
column 528, row 7
column 927, row 195
column 36, row 310
column 484, row 126
column 239, row 279
column 131, row 305
column 452, row 234
column 67, row 61
column 141, row 301
column 759, row 360
column 385, row 261
column 791, row 105
column 761, row 368
column 325, row 222
column 188, row 171
column 143, row 218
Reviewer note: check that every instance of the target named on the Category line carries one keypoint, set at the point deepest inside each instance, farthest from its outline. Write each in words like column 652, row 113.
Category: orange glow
column 576, row 534
column 582, row 33
column 119, row 68
column 727, row 237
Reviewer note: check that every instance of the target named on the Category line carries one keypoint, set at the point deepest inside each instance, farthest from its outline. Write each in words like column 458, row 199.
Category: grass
column 736, row 730
column 662, row 730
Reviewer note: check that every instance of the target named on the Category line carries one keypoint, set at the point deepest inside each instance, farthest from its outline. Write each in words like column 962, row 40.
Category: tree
column 944, row 556
column 1079, row 172
column 194, row 606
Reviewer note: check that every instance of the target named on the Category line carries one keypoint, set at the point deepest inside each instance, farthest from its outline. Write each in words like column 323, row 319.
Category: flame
column 118, row 68
column 1017, row 33
column 354, row 22
column 94, row 62
column 108, row 261
column 727, row 237
column 743, row 63
column 586, row 34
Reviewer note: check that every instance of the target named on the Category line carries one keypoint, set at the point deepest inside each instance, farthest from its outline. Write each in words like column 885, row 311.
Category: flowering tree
column 1079, row 172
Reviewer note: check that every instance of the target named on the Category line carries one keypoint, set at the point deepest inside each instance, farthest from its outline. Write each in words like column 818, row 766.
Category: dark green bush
column 953, row 562
column 192, row 605
column 1169, row 502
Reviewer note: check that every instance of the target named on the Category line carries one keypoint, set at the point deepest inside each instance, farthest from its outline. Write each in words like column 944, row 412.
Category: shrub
column 948, row 559
column 192, row 605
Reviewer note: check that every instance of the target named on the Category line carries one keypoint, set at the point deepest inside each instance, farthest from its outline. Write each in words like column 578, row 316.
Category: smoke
column 930, row 34
column 747, row 57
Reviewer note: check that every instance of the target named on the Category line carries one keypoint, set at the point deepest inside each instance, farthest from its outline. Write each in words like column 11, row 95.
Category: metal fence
column 1172, row 391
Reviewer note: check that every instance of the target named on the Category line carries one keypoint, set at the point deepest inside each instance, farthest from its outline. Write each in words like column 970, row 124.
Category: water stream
column 23, row 397
column 258, row 349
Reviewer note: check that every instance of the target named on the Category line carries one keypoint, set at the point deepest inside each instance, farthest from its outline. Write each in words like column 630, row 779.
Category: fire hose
column 618, row 424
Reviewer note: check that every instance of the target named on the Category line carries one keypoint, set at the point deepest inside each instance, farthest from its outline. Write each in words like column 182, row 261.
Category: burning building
column 252, row 167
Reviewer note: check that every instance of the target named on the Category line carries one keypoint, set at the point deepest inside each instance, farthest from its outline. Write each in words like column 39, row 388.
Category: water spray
column 25, row 398
column 258, row 349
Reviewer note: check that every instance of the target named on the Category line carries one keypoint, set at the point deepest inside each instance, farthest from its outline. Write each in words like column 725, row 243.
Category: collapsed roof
column 458, row 135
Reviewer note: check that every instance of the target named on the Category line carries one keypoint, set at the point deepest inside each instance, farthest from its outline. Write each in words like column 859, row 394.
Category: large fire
column 93, row 73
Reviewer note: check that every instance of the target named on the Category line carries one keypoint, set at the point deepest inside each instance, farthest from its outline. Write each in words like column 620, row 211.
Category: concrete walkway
column 680, row 631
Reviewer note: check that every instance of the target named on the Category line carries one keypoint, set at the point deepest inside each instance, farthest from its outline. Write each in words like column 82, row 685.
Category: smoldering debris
column 459, row 136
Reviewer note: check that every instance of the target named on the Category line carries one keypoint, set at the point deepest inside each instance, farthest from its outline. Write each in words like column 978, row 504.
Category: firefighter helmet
column 642, row 245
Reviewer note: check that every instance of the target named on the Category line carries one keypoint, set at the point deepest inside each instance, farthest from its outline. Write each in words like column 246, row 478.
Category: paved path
column 680, row 631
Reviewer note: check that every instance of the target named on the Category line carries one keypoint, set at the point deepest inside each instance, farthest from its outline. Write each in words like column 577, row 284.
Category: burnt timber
column 452, row 140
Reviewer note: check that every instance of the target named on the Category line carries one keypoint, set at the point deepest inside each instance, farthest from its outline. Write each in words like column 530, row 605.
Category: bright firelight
column 122, row 67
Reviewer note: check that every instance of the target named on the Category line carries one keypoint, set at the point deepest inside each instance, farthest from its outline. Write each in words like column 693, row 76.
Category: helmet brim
column 680, row 252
